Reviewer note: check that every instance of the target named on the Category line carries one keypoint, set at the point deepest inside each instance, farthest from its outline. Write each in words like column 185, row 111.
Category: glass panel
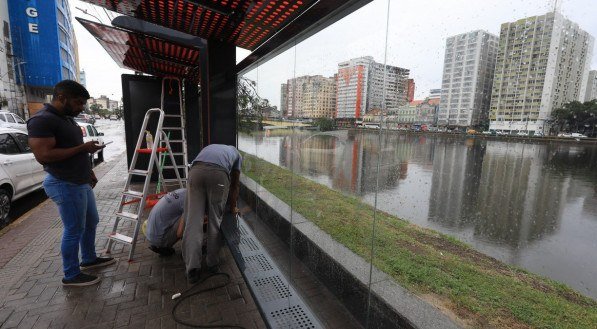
column 448, row 190
column 24, row 141
column 9, row 118
column 8, row 145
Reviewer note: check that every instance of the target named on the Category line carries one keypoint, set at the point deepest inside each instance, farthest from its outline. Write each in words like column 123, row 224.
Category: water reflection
column 533, row 205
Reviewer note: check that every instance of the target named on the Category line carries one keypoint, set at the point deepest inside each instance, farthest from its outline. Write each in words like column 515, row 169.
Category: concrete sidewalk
column 135, row 295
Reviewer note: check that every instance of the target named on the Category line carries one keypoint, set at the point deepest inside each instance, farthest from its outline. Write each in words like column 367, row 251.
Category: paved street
column 135, row 295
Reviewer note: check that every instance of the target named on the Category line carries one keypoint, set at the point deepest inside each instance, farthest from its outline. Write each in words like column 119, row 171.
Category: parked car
column 564, row 135
column 85, row 118
column 91, row 134
column 539, row 134
column 113, row 117
column 577, row 135
column 11, row 120
column 20, row 173
column 523, row 133
column 501, row 133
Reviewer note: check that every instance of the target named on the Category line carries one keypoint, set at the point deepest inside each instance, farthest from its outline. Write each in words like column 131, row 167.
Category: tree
column 3, row 102
column 576, row 116
column 250, row 106
column 325, row 124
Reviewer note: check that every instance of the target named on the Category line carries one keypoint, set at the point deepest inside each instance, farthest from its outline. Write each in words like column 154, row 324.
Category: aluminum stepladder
column 127, row 195
column 175, row 130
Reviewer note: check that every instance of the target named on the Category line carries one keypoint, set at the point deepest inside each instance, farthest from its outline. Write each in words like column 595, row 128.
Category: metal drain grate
column 257, row 263
column 272, row 288
column 292, row 317
column 247, row 244
column 279, row 303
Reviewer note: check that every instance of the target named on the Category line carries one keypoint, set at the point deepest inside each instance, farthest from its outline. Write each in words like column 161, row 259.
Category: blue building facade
column 44, row 43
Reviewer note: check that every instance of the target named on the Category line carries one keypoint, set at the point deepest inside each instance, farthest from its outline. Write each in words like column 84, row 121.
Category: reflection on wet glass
column 531, row 205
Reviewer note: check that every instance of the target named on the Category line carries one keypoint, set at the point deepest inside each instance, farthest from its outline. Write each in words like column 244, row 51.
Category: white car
column 20, row 173
column 91, row 134
column 11, row 120
column 577, row 135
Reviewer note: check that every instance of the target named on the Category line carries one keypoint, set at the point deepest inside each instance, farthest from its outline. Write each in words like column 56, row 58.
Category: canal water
column 533, row 205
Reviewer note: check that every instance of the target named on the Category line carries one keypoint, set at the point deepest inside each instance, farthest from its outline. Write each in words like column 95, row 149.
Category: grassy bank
column 478, row 289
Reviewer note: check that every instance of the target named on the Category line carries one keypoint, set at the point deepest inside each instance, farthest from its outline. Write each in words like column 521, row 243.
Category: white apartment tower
column 469, row 65
column 309, row 97
column 360, row 85
column 543, row 62
column 591, row 92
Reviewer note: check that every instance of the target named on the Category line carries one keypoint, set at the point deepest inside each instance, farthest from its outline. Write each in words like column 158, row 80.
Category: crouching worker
column 213, row 180
column 164, row 226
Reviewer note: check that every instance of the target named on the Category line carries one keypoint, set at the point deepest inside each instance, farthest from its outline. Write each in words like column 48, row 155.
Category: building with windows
column 363, row 86
column 467, row 77
column 12, row 96
column 43, row 41
column 543, row 62
column 410, row 90
column 309, row 97
column 103, row 101
column 591, row 91
column 83, row 78
column 112, row 105
column 284, row 99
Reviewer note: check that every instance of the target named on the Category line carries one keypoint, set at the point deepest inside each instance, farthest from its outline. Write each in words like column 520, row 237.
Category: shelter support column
column 218, row 94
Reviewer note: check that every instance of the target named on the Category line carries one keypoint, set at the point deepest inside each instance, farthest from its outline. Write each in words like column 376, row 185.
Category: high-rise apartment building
column 284, row 100
column 309, row 97
column 591, row 91
column 43, row 42
column 410, row 90
column 469, row 65
column 12, row 95
column 362, row 87
column 543, row 62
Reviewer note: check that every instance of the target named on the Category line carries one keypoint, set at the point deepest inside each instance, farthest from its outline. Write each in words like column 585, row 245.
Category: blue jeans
column 76, row 204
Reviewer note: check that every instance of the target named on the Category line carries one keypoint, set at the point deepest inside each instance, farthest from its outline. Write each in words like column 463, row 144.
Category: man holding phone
column 57, row 143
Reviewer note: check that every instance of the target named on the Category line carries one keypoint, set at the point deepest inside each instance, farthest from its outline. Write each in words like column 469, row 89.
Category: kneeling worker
column 213, row 180
column 165, row 224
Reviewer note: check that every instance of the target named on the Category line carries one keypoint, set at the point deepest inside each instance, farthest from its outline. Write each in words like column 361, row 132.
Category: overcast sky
column 416, row 40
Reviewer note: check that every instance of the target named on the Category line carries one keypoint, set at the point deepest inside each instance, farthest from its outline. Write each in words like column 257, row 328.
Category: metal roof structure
column 146, row 53
column 265, row 27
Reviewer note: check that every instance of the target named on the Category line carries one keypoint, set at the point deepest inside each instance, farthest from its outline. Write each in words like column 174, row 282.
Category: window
column 8, row 145
column 24, row 141
column 18, row 119
column 9, row 118
column 90, row 131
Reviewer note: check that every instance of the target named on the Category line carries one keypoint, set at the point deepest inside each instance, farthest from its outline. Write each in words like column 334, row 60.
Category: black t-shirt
column 49, row 123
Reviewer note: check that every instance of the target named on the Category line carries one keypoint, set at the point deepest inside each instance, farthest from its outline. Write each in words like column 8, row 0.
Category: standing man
column 213, row 180
column 164, row 226
column 57, row 143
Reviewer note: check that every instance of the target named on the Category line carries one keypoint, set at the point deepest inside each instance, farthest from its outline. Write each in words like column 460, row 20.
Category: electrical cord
column 189, row 293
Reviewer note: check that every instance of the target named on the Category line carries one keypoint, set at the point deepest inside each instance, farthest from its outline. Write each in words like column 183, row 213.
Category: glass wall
column 430, row 161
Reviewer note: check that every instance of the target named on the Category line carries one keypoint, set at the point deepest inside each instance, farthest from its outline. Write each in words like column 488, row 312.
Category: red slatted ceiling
column 147, row 54
column 259, row 23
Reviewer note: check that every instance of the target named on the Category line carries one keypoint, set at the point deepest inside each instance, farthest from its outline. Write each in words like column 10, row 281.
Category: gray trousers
column 207, row 189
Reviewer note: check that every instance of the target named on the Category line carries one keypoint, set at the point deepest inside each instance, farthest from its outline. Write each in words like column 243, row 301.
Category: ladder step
column 172, row 167
column 173, row 115
column 169, row 180
column 127, row 215
column 177, row 153
column 121, row 238
column 138, row 172
column 172, row 128
column 136, row 194
column 175, row 141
